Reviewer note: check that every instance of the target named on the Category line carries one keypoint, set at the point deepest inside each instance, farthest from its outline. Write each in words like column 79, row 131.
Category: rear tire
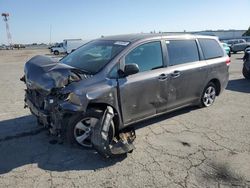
column 208, row 95
column 56, row 53
column 246, row 73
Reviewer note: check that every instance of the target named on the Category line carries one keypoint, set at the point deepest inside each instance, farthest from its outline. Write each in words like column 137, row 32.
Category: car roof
column 143, row 36
column 234, row 40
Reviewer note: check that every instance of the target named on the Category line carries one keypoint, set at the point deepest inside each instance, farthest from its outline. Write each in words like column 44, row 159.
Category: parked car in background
column 2, row 47
column 93, row 95
column 67, row 46
column 246, row 65
column 5, row 47
column 226, row 48
column 234, row 41
column 238, row 45
column 247, row 38
column 247, row 49
column 18, row 46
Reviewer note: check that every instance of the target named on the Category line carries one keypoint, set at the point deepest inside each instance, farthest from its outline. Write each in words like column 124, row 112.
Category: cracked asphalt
column 193, row 147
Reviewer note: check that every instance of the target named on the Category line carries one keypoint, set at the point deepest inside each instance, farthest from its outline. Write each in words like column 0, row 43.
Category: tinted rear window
column 182, row 51
column 211, row 48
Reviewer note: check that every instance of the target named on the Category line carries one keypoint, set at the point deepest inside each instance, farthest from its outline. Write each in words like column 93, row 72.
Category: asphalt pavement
column 193, row 147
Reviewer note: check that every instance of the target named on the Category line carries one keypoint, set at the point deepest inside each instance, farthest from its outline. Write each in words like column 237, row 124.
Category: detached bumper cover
column 100, row 140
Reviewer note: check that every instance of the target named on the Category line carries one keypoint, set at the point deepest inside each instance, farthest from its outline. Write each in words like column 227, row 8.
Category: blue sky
column 31, row 19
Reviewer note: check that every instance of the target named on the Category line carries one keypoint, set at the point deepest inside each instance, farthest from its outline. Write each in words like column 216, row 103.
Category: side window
column 211, row 48
column 114, row 72
column 182, row 51
column 147, row 56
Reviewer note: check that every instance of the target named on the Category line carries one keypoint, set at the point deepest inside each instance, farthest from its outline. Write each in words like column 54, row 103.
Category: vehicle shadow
column 240, row 85
column 164, row 117
column 26, row 143
column 20, row 146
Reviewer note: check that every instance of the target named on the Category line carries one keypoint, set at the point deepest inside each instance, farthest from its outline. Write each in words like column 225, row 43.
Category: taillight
column 228, row 61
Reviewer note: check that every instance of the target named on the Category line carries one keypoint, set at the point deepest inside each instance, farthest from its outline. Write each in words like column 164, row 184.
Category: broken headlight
column 73, row 77
column 74, row 99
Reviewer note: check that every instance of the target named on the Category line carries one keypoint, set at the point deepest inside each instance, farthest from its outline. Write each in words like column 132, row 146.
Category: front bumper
column 50, row 114
column 41, row 114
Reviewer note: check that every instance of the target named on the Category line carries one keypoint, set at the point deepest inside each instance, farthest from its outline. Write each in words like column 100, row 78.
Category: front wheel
column 56, row 52
column 209, row 95
column 80, row 127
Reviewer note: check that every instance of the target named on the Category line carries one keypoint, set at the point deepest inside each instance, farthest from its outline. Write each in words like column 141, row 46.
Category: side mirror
column 130, row 69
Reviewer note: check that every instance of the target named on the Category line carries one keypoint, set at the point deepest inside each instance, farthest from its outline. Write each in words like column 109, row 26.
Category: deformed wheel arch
column 103, row 107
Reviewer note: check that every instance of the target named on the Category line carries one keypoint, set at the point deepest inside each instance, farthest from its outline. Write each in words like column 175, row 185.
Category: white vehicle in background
column 57, row 49
column 67, row 46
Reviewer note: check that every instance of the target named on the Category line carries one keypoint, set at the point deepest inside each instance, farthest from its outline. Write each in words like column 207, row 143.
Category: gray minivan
column 93, row 95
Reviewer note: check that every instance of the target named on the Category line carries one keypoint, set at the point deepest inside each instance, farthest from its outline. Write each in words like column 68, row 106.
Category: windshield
column 93, row 56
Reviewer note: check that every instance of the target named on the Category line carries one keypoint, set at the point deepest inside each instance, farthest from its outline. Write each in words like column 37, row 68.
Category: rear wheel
column 246, row 73
column 209, row 95
column 56, row 52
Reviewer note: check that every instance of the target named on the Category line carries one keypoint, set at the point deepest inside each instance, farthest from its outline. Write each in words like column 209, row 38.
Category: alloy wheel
column 83, row 130
column 209, row 96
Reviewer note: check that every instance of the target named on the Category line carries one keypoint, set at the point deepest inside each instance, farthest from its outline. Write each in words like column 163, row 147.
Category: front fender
column 104, row 92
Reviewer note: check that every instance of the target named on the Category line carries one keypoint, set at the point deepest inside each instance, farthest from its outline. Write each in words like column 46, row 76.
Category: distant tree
column 247, row 33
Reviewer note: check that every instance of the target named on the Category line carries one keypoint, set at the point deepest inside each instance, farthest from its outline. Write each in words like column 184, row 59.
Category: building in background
column 222, row 34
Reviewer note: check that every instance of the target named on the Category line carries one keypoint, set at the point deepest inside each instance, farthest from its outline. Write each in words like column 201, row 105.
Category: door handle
column 163, row 77
column 175, row 74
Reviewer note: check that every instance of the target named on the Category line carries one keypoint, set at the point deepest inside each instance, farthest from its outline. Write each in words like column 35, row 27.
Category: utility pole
column 6, row 19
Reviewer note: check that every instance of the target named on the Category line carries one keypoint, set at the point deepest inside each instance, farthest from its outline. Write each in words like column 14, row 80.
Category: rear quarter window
column 211, row 48
column 182, row 51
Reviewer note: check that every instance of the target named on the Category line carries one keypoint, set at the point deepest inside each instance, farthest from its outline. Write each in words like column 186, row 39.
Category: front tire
column 80, row 126
column 208, row 95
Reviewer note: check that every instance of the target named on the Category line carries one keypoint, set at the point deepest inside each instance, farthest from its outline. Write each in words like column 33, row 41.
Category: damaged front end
column 51, row 96
column 45, row 80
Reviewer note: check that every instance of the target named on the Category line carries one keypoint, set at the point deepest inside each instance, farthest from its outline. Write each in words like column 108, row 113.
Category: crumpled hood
column 44, row 73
